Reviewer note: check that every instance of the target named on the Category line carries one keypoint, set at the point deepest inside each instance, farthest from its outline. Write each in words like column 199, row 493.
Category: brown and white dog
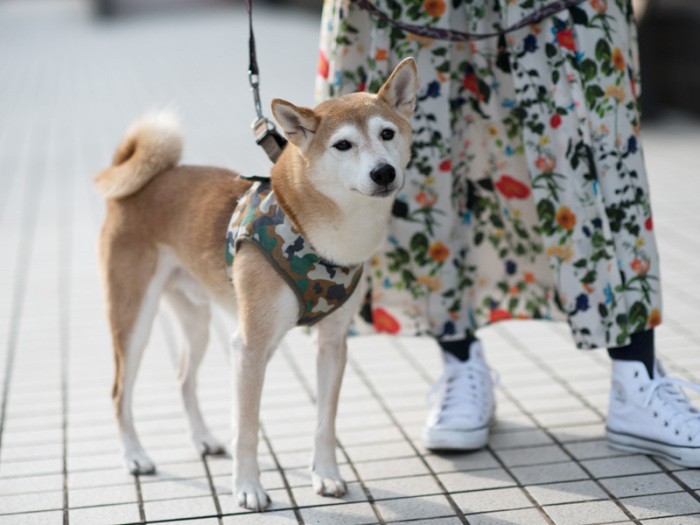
column 164, row 235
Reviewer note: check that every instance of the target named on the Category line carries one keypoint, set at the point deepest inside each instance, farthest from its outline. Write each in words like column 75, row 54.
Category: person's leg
column 648, row 412
column 640, row 348
column 462, row 400
column 459, row 348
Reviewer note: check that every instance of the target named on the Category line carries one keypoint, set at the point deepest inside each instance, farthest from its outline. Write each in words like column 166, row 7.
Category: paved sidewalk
column 68, row 88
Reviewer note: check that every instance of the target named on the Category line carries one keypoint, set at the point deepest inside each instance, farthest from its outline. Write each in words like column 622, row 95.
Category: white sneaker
column 462, row 404
column 653, row 416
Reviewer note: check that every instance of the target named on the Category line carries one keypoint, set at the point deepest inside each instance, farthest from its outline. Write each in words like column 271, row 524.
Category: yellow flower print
column 564, row 253
column 434, row 284
column 654, row 318
column 617, row 93
column 618, row 59
column 566, row 218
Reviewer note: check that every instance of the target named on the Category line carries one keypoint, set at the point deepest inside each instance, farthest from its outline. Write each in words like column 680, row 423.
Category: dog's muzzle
column 383, row 175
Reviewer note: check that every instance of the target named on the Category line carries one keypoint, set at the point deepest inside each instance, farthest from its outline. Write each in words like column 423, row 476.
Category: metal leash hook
column 266, row 135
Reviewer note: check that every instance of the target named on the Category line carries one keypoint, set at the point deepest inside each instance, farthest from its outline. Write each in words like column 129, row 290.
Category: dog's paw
column 208, row 445
column 252, row 496
column 138, row 463
column 328, row 485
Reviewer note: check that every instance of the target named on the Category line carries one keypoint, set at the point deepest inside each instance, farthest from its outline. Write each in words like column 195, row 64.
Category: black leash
column 266, row 134
column 460, row 36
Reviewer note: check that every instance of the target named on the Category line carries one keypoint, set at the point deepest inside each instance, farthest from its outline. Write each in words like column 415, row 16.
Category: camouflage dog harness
column 320, row 286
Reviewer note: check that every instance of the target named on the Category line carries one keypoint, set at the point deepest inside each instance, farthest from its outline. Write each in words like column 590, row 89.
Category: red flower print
column 544, row 164
column 383, row 321
column 426, row 200
column 640, row 266
column 471, row 83
column 434, row 8
column 555, row 121
column 446, row 165
column 649, row 224
column 499, row 314
column 361, row 87
column 512, row 188
column 565, row 38
column 323, row 67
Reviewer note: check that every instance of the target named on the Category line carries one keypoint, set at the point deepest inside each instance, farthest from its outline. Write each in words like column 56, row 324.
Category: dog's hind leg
column 330, row 365
column 134, row 282
column 191, row 307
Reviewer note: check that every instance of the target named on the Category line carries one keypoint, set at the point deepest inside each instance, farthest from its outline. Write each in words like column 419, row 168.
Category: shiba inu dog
column 193, row 235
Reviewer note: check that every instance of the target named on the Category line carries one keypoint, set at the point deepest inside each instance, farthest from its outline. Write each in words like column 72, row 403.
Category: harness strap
column 460, row 36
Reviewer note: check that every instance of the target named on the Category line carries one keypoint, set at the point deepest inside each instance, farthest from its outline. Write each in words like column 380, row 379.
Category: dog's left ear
column 400, row 90
column 298, row 123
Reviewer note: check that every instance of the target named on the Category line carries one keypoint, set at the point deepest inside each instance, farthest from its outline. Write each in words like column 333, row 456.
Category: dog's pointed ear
column 298, row 123
column 400, row 90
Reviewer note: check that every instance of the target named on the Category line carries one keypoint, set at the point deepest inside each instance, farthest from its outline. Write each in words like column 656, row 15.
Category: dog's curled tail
column 152, row 145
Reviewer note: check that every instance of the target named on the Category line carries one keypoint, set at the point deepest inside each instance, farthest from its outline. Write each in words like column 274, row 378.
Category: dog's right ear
column 298, row 123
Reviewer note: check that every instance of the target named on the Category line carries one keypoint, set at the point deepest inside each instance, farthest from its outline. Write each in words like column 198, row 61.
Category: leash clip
column 254, row 80
column 267, row 136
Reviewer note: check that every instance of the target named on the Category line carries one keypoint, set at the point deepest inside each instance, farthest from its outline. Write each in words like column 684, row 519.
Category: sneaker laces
column 458, row 388
column 669, row 391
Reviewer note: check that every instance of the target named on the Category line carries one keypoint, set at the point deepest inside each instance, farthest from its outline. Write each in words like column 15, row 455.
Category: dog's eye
column 387, row 134
column 342, row 145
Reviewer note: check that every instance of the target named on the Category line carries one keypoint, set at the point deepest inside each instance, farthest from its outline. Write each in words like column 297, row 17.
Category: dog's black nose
column 384, row 174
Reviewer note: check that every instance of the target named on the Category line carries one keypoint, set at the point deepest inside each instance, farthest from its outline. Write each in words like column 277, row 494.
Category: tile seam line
column 65, row 218
column 513, row 399
column 427, row 474
column 535, row 504
column 284, row 348
column 368, row 384
column 212, row 488
column 540, row 427
column 29, row 219
column 591, row 477
column 671, row 474
column 285, row 481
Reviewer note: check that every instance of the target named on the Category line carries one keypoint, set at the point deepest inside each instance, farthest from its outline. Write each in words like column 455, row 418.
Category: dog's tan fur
column 164, row 235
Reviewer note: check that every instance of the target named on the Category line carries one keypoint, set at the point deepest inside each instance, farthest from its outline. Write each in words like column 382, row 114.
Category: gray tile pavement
column 68, row 88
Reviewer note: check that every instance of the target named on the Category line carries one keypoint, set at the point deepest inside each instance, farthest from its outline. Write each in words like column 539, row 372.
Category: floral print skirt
column 527, row 195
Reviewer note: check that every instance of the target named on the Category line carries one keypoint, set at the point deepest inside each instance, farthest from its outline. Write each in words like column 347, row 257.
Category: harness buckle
column 267, row 136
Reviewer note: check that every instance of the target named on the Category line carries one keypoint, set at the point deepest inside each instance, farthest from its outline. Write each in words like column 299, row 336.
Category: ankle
column 641, row 348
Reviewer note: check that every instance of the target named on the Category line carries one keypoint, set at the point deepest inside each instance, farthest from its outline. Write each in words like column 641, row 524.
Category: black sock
column 460, row 347
column 641, row 348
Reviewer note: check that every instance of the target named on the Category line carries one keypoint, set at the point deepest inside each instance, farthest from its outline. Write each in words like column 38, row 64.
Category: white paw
column 208, row 445
column 328, row 485
column 252, row 496
column 137, row 462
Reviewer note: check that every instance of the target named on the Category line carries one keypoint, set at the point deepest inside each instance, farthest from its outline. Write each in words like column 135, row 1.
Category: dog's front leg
column 330, row 365
column 267, row 309
column 249, row 370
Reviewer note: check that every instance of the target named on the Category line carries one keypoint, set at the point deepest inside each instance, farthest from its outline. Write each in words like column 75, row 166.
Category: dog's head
column 360, row 142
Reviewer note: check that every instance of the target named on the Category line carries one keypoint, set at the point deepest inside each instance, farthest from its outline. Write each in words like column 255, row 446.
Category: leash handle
column 460, row 36
column 266, row 135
